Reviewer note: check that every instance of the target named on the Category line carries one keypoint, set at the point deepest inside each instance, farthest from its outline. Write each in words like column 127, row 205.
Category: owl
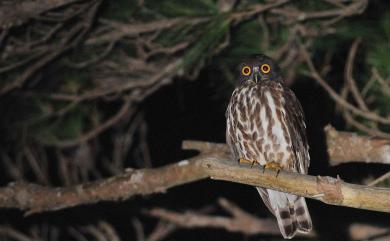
column 266, row 125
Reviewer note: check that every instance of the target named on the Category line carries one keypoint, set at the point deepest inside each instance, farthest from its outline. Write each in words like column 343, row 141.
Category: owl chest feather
column 257, row 124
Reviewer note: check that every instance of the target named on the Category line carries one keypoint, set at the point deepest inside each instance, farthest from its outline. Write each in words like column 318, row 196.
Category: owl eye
column 265, row 68
column 246, row 70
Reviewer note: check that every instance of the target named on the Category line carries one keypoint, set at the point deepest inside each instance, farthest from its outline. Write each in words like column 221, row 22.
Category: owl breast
column 256, row 123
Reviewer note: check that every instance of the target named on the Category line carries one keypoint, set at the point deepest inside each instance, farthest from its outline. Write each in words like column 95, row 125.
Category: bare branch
column 240, row 221
column 384, row 83
column 14, row 234
column 344, row 147
column 360, row 231
column 161, row 231
column 216, row 165
column 336, row 97
column 349, row 76
column 35, row 198
column 380, row 179
column 19, row 12
column 357, row 7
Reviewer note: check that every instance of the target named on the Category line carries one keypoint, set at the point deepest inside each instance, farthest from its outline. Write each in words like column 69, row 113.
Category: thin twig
column 349, row 75
column 238, row 221
column 123, row 111
column 336, row 97
column 380, row 179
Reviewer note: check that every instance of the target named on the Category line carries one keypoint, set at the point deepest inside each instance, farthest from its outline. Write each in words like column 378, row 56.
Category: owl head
column 257, row 68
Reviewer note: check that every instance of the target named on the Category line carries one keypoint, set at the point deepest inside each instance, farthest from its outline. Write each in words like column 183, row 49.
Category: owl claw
column 277, row 172
column 273, row 166
column 245, row 161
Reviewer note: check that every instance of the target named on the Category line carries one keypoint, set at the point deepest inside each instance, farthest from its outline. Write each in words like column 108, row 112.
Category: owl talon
column 245, row 161
column 273, row 166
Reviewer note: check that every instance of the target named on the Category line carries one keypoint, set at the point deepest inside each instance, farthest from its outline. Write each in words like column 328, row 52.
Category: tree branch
column 35, row 198
column 18, row 12
column 344, row 147
column 213, row 163
column 239, row 221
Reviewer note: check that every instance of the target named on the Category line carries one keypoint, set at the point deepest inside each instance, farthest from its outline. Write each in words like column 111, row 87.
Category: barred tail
column 303, row 216
column 290, row 211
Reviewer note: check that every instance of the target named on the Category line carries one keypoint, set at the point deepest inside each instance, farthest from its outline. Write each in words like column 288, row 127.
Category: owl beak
column 256, row 74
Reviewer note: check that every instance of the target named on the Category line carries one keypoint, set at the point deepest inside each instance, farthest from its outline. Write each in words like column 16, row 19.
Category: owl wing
column 297, row 130
column 290, row 210
column 229, row 137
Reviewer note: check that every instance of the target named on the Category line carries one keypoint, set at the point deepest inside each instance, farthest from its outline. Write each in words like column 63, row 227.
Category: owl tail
column 290, row 211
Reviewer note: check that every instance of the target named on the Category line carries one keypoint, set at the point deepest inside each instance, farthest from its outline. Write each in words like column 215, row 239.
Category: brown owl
column 266, row 125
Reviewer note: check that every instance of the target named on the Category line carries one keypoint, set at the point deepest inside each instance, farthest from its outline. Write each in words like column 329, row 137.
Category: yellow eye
column 246, row 70
column 265, row 68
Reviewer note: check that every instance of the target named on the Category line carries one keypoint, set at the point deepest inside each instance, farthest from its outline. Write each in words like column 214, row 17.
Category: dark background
column 191, row 106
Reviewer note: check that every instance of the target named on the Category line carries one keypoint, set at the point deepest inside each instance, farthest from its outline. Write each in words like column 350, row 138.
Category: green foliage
column 68, row 127
column 213, row 34
column 246, row 40
column 386, row 183
column 380, row 47
column 175, row 36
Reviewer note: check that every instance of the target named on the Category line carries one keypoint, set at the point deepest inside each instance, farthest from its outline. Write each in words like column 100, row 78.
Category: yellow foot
column 245, row 161
column 274, row 166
